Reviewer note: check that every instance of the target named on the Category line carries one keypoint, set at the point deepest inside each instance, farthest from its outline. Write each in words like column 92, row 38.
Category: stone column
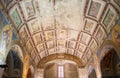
column 1, row 72
column 83, row 73
column 96, row 66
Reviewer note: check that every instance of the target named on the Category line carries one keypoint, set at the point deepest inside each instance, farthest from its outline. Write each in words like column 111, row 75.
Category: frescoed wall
column 109, row 65
column 6, row 36
column 116, row 35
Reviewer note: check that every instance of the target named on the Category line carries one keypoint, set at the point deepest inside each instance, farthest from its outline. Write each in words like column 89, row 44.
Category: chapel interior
column 59, row 38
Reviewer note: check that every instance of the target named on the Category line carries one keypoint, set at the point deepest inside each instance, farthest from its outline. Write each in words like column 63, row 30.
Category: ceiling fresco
column 75, row 27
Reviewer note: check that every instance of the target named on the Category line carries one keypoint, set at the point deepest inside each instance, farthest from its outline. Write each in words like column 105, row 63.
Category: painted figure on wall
column 117, row 37
column 6, row 37
column 6, row 32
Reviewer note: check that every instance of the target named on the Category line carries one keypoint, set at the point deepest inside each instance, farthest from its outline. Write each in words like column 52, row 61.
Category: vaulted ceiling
column 71, row 27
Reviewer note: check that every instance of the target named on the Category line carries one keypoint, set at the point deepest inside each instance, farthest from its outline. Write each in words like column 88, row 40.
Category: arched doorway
column 109, row 65
column 61, row 69
column 14, row 66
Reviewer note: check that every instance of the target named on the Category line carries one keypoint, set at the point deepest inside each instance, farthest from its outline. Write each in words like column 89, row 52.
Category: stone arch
column 106, row 47
column 110, row 64
column 14, row 62
column 18, row 49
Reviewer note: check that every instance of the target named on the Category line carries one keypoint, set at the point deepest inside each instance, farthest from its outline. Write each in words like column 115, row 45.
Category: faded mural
column 6, row 35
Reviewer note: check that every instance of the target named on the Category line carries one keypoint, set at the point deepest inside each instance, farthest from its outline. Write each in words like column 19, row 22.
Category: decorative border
column 60, row 56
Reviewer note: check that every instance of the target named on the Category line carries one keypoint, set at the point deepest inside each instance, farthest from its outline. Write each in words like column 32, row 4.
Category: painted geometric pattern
column 59, row 27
